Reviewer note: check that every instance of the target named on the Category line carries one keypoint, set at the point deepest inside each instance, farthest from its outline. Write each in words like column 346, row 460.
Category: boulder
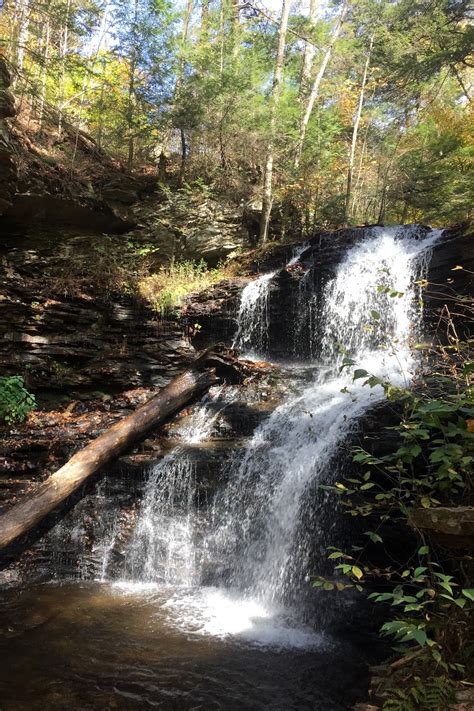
column 452, row 527
column 121, row 195
column 203, row 226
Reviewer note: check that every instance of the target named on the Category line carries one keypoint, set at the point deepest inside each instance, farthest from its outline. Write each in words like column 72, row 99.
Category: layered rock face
column 193, row 224
column 68, row 337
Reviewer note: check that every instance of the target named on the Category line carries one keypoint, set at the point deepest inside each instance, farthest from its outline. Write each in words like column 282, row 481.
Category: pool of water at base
column 101, row 646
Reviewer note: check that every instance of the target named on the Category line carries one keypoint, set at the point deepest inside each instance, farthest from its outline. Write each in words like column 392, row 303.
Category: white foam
column 221, row 613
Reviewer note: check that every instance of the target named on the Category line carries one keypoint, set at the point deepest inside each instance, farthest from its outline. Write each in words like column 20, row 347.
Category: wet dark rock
column 210, row 316
column 54, row 212
column 7, row 104
column 5, row 76
column 451, row 276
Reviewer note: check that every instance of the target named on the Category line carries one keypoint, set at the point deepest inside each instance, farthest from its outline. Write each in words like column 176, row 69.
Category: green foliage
column 431, row 466
column 15, row 400
column 427, row 598
column 432, row 694
column 160, row 78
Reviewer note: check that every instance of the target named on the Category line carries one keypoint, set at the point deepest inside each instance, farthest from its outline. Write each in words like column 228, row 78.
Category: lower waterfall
column 189, row 589
column 255, row 538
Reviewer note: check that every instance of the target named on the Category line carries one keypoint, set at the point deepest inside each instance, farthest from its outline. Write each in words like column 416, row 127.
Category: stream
column 193, row 591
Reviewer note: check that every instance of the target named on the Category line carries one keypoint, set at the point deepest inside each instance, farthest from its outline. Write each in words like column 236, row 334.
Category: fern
column 400, row 701
column 434, row 694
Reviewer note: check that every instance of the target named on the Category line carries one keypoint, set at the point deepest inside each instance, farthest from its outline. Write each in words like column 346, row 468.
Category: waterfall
column 253, row 317
column 262, row 513
column 165, row 546
column 262, row 527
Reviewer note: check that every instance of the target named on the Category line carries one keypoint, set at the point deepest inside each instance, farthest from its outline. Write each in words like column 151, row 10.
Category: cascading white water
column 253, row 317
column 297, row 253
column 256, row 536
column 262, row 511
column 164, row 548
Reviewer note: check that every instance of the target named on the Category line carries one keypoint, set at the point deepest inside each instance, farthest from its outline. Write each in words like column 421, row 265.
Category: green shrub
column 15, row 400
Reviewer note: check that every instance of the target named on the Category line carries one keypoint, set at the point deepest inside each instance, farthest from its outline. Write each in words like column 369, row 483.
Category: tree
column 314, row 93
column 355, row 132
column 267, row 199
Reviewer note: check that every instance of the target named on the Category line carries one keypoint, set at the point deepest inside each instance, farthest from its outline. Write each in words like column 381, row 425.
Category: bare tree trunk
column 22, row 16
column 131, row 91
column 101, row 112
column 182, row 169
column 235, row 15
column 130, row 117
column 47, row 496
column 168, row 130
column 235, row 4
column 267, row 198
column 62, row 77
column 308, row 54
column 44, row 74
column 355, row 131
column 316, row 85
column 222, row 38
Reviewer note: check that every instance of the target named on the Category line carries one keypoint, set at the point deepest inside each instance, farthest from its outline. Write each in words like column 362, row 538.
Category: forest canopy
column 334, row 113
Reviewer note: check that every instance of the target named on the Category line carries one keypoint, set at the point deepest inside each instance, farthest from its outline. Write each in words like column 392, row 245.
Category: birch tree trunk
column 267, row 199
column 133, row 61
column 44, row 73
column 22, row 17
column 308, row 54
column 62, row 76
column 355, row 131
column 204, row 20
column 316, row 85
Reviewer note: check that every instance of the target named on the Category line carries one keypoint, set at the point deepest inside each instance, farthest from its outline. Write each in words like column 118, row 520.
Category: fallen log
column 47, row 496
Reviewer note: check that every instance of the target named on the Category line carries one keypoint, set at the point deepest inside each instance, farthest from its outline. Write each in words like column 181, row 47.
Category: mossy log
column 47, row 496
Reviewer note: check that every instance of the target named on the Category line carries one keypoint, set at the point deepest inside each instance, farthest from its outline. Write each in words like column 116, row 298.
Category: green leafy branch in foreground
column 428, row 596
column 431, row 466
column 15, row 400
